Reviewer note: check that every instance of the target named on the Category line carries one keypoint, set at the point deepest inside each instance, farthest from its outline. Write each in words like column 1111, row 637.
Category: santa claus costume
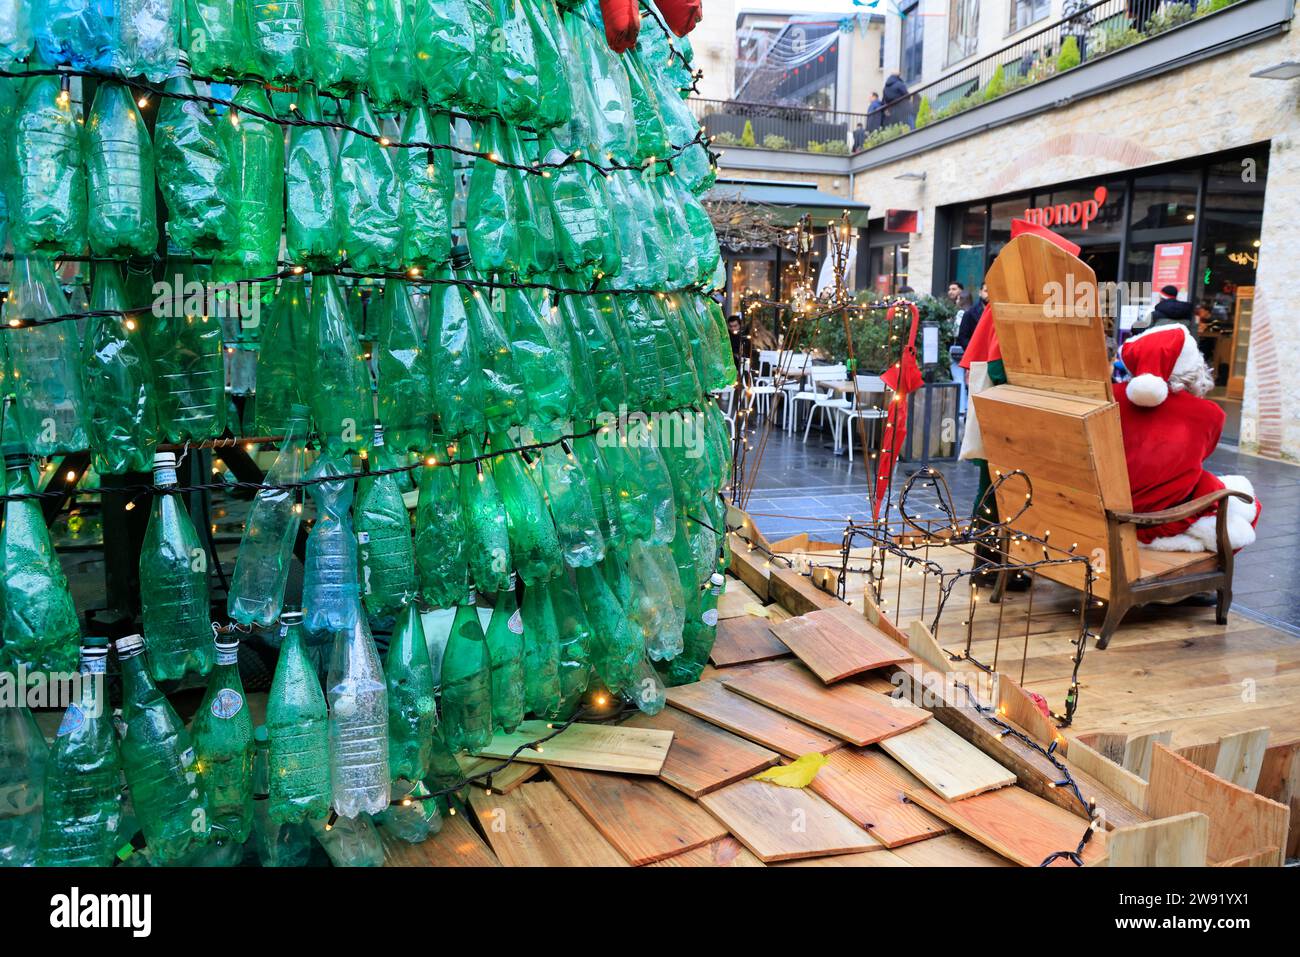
column 1170, row 429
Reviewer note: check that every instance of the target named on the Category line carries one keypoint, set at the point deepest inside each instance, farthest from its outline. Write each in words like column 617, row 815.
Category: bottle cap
column 226, row 643
column 460, row 256
column 164, row 460
column 291, row 618
column 94, row 647
column 130, row 646
column 261, row 735
column 716, row 579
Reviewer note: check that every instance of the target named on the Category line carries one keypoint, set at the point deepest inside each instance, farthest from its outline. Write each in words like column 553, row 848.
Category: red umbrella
column 903, row 378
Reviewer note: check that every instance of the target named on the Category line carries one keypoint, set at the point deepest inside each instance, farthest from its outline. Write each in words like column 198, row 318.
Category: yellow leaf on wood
column 796, row 774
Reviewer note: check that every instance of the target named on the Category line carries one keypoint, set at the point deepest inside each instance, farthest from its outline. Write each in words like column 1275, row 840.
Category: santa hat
column 1154, row 357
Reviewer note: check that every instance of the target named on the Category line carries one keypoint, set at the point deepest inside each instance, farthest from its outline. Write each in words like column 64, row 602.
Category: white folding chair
column 869, row 404
column 814, row 393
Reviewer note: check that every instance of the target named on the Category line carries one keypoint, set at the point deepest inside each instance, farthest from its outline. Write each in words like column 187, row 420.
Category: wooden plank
column 784, row 824
column 739, row 599
column 838, row 643
column 751, row 567
column 922, row 645
column 731, row 712
column 1012, row 822
column 847, row 710
column 456, row 845
column 1279, row 779
column 1264, row 857
column 797, row 594
column 873, row 613
column 868, row 787
column 1241, row 822
column 645, row 820
column 1016, row 706
column 945, row 763
column 744, row 639
column 505, row 780
column 950, row 850
column 703, row 757
column 1240, row 757
column 1111, row 775
column 727, row 852
column 1178, row 841
column 881, row 858
column 594, row 747
column 537, row 826
column 1138, row 750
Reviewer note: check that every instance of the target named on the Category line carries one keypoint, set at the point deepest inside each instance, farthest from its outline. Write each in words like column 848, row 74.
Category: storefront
column 1194, row 224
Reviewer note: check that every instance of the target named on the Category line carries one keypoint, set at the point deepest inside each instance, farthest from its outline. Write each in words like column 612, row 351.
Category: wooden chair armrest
column 1179, row 512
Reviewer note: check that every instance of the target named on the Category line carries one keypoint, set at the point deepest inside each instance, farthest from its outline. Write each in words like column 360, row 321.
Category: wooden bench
column 1056, row 420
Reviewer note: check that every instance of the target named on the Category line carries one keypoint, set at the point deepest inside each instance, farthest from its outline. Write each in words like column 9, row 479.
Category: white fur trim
column 1181, row 542
column 1190, row 358
column 1147, row 390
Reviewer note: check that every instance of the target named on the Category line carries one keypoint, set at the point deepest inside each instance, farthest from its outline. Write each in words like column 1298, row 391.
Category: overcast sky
column 811, row 6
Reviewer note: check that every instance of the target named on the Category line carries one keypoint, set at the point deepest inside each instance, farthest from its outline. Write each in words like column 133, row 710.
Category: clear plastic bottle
column 46, row 186
column 412, row 705
column 297, row 719
column 147, row 34
column 122, row 214
column 266, row 550
column 351, row 842
column 40, row 627
column 330, row 593
column 193, row 173
column 174, row 584
column 22, row 775
column 467, row 682
column 83, row 777
column 384, row 543
column 278, row 36
column 278, row 844
column 358, row 699
column 161, row 766
column 505, row 641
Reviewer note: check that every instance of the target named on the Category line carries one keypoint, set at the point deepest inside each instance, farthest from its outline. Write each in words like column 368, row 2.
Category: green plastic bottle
column 574, row 670
column 161, row 767
column 338, row 44
column 384, row 544
column 426, row 178
column 458, row 400
column 651, row 133
column 215, row 38
column 440, row 536
column 174, row 584
column 534, row 546
column 257, row 585
column 616, row 650
column 412, row 700
column 339, row 394
column 569, row 497
column 443, row 47
column 255, row 148
column 83, row 774
column 223, row 740
column 122, row 419
column 283, row 358
column 368, row 194
column 22, row 775
column 601, row 482
column 392, row 81
column 467, row 681
column 404, row 372
column 505, row 402
column 505, row 641
column 278, row 844
column 193, row 173
column 518, row 86
column 313, row 219
column 278, row 35
column 554, row 104
column 593, row 344
column 487, row 541
column 189, row 370
column 45, row 185
column 496, row 204
column 585, row 235
column 542, row 691
column 146, row 38
column 43, row 362
column 40, row 629
column 297, row 718
column 540, row 356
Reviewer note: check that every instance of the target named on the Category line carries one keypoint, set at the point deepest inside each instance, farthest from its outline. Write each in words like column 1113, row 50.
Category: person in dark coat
column 897, row 104
column 875, row 112
column 1172, row 309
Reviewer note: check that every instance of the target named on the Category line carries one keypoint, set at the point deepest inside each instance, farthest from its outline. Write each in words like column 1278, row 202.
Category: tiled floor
column 807, row 488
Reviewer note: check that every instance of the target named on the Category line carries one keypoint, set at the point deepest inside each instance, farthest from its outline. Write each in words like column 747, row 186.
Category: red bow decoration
column 622, row 23
column 903, row 378
column 681, row 15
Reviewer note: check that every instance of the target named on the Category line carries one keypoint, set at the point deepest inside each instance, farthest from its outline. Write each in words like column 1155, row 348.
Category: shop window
column 1000, row 215
column 913, row 33
column 963, row 29
column 1164, row 213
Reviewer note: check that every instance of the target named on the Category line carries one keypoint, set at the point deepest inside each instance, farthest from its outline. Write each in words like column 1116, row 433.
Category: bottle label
column 516, row 623
column 73, row 719
column 710, row 617
column 363, row 538
column 188, row 760
column 164, row 477
column 227, row 703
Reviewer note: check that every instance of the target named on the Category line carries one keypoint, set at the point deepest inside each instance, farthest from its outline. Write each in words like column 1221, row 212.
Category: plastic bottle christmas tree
column 297, row 720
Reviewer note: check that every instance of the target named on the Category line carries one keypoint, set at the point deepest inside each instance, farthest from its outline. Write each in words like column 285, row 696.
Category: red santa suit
column 1168, row 435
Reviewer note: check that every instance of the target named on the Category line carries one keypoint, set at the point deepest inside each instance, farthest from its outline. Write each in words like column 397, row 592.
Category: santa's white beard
column 1198, row 380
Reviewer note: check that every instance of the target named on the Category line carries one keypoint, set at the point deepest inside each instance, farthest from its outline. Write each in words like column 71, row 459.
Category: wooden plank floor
column 1166, row 667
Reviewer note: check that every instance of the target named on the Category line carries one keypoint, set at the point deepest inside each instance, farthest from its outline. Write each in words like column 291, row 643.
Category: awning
column 790, row 202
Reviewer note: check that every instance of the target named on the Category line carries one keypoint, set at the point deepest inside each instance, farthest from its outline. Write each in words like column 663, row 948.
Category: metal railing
column 776, row 127
column 1094, row 32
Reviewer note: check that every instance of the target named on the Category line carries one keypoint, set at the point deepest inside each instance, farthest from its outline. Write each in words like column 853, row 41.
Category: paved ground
column 803, row 482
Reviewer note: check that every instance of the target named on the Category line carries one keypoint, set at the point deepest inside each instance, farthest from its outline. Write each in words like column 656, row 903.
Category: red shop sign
column 1079, row 213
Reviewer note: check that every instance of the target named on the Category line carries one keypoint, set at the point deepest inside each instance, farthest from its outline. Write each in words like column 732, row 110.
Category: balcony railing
column 1085, row 37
